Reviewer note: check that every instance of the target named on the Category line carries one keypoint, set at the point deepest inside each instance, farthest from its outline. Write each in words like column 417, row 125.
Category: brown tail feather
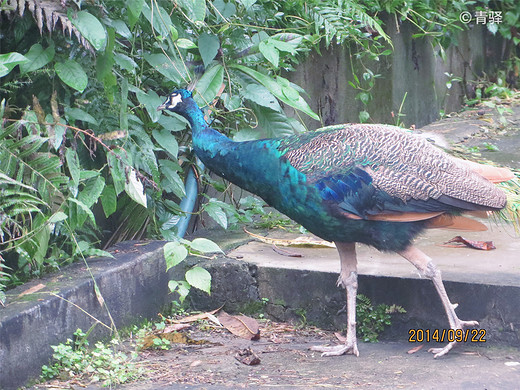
column 493, row 174
column 456, row 222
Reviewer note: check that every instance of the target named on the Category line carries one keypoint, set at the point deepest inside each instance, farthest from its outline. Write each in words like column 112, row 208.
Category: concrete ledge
column 134, row 286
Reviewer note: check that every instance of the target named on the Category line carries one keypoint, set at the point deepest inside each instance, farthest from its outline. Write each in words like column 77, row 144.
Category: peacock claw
column 336, row 350
column 441, row 351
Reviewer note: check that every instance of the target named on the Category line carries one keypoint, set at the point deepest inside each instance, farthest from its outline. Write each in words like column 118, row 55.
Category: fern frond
column 48, row 13
column 344, row 19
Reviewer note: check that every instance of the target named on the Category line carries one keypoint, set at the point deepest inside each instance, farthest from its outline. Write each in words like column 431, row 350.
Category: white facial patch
column 174, row 100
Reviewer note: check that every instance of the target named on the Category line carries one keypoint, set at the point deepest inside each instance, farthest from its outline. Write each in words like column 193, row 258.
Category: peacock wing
column 378, row 170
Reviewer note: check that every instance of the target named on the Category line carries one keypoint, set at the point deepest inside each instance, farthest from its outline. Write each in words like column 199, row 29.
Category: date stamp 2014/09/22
column 447, row 335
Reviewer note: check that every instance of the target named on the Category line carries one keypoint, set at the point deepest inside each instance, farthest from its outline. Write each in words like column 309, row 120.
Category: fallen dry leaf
column 196, row 317
column 172, row 337
column 248, row 357
column 415, row 349
column 302, row 241
column 174, row 328
column 32, row 290
column 481, row 245
column 242, row 326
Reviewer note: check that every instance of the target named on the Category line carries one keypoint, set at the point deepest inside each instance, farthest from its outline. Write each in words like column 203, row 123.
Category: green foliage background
column 85, row 158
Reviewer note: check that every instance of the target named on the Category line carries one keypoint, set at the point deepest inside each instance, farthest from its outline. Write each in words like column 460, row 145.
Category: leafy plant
column 372, row 320
column 103, row 364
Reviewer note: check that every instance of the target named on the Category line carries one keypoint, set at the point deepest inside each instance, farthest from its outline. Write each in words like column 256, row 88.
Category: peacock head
column 176, row 101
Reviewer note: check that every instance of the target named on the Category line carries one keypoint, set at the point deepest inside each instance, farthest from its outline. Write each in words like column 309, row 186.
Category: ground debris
column 481, row 245
column 247, row 357
column 242, row 326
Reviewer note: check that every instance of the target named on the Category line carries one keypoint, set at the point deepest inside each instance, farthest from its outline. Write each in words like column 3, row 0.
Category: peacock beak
column 161, row 107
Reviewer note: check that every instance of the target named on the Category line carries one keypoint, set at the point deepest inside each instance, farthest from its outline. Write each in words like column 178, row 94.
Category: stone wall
column 415, row 68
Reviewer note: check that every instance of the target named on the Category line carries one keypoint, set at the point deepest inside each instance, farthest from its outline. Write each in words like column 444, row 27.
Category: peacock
column 355, row 183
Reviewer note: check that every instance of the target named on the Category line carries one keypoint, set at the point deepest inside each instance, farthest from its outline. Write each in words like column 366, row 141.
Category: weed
column 103, row 364
column 372, row 320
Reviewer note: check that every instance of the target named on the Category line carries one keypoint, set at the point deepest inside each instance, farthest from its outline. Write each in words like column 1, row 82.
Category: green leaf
column 72, row 74
column 205, row 246
column 184, row 43
column 150, row 101
column 181, row 287
column 173, row 70
column 196, row 9
column 37, row 58
column 85, row 209
column 167, row 141
column 364, row 116
column 209, row 85
column 159, row 19
column 172, row 182
column 134, row 7
column 58, row 217
column 270, row 52
column 92, row 191
column 77, row 114
column 109, row 200
column 90, row 27
column 258, row 94
column 174, row 253
column 134, row 189
column 199, row 278
column 9, row 60
column 284, row 94
column 208, row 47
column 216, row 212
column 73, row 164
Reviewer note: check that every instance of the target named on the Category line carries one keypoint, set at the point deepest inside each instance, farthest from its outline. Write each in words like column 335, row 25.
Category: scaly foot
column 438, row 352
column 337, row 350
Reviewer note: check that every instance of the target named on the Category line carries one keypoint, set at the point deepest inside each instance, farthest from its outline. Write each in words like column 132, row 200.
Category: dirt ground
column 285, row 361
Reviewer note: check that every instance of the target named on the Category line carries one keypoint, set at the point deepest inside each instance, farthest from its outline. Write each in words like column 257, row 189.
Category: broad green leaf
column 172, row 182
column 150, row 101
column 72, row 74
column 199, row 278
column 204, row 245
column 167, row 141
column 37, row 58
column 78, row 114
column 73, row 164
column 109, row 200
column 258, row 94
column 134, row 7
column 208, row 47
column 90, row 194
column 58, row 217
column 270, row 52
column 172, row 69
column 158, row 18
column 364, row 116
column 125, row 62
column 184, row 43
column 90, row 27
column 281, row 93
column 85, row 209
column 134, row 189
column 9, row 60
column 226, row 9
column 121, row 28
column 174, row 253
column 209, row 85
column 196, row 9
column 216, row 212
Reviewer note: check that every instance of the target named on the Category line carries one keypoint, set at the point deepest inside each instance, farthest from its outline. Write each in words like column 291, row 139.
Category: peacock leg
column 347, row 279
column 426, row 267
